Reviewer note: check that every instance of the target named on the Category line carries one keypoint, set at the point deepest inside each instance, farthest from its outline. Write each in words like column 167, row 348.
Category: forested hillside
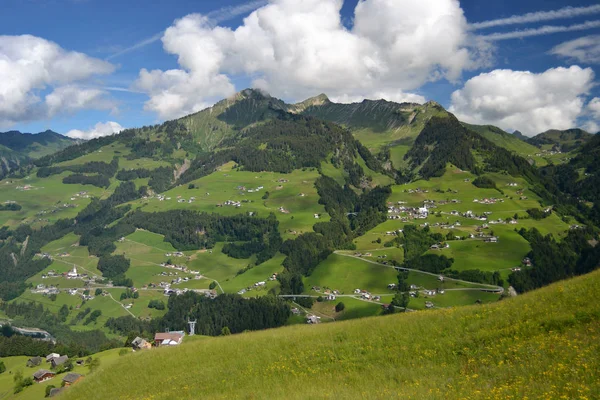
column 254, row 214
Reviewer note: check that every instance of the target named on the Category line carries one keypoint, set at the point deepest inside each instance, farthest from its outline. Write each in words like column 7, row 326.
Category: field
column 539, row 345
column 37, row 391
column 292, row 197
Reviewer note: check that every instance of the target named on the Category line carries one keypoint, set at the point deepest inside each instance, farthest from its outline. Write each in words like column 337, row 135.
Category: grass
column 540, row 345
column 37, row 390
column 295, row 192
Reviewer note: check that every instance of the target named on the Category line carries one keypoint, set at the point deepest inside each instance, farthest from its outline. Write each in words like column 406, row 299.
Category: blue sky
column 479, row 79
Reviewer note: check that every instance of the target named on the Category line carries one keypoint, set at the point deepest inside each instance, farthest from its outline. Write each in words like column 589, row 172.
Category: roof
column 138, row 341
column 40, row 373
column 168, row 336
column 60, row 360
column 71, row 377
column 52, row 355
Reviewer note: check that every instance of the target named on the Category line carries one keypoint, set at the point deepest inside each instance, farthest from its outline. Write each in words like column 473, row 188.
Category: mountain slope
column 511, row 142
column 539, row 345
column 564, row 141
column 35, row 145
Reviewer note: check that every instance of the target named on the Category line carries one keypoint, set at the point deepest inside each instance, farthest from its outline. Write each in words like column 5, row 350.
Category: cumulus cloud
column 29, row 65
column 295, row 49
column 526, row 101
column 593, row 110
column 584, row 49
column 100, row 129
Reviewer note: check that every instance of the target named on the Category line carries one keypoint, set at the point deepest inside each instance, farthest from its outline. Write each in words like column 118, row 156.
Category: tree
column 225, row 331
column 49, row 389
column 93, row 364
column 2, row 367
column 212, row 285
column 98, row 292
column 401, row 300
column 339, row 307
column 320, row 299
column 63, row 313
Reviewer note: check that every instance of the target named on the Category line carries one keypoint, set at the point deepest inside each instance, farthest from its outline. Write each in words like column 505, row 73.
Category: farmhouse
column 43, row 375
column 51, row 356
column 140, row 344
column 168, row 338
column 34, row 362
column 58, row 361
column 71, row 379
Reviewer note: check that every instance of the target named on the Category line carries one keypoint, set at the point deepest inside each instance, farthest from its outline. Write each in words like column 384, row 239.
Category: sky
column 89, row 68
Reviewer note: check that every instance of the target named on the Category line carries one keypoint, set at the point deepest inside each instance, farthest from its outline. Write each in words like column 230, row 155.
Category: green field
column 294, row 192
column 38, row 390
column 539, row 345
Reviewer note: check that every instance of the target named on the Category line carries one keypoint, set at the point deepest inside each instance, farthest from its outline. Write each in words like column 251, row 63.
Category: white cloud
column 529, row 102
column 99, row 130
column 566, row 12
column 544, row 30
column 30, row 64
column 398, row 97
column 593, row 110
column 585, row 49
column 295, row 49
column 71, row 98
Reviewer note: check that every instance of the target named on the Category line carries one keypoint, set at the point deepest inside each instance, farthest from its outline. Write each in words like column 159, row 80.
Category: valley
column 257, row 203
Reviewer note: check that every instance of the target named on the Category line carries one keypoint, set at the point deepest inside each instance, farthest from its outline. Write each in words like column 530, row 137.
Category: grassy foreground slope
column 539, row 345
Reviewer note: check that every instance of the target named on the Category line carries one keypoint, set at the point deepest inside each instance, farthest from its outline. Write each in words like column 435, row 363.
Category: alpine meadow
column 367, row 242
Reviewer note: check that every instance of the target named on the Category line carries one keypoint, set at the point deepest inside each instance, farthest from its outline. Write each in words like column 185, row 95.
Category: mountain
column 257, row 199
column 544, row 343
column 514, row 142
column 17, row 149
column 35, row 145
column 564, row 141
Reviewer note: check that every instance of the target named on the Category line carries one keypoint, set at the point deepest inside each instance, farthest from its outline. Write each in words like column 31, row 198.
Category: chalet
column 527, row 261
column 313, row 319
column 71, row 379
column 428, row 304
column 492, row 239
column 43, row 375
column 34, row 362
column 58, row 361
column 331, row 297
column 168, row 338
column 50, row 356
column 140, row 344
column 392, row 286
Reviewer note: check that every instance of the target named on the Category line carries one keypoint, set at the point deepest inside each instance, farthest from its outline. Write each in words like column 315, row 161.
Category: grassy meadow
column 540, row 345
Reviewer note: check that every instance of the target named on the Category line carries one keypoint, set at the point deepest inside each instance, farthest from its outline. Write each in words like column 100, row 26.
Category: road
column 495, row 289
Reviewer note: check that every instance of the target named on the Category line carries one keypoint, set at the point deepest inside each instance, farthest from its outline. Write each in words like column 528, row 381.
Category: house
column 34, row 362
column 313, row 319
column 140, row 344
column 43, row 375
column 58, row 361
column 50, row 356
column 428, row 304
column 330, row 297
column 168, row 338
column 71, row 379
column 492, row 239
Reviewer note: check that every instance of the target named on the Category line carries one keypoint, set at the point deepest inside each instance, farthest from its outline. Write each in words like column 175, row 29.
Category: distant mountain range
column 17, row 148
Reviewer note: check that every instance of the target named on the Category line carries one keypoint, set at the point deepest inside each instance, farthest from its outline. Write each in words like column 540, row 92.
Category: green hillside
column 564, row 141
column 259, row 205
column 540, row 345
column 509, row 142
